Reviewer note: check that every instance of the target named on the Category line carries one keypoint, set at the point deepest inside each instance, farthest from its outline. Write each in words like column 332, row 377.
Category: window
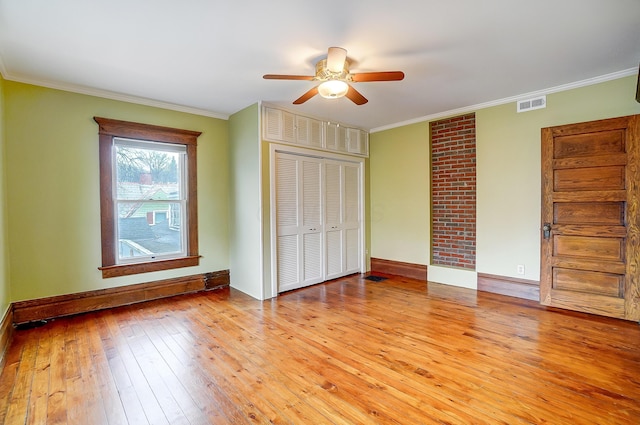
column 148, row 199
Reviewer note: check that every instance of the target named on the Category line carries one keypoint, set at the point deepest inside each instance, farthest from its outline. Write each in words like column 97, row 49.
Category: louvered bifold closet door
column 333, row 219
column 298, row 221
column 351, row 218
column 312, row 221
column 342, row 212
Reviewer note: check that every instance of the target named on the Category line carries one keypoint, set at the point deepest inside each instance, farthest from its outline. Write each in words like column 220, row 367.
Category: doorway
column 590, row 238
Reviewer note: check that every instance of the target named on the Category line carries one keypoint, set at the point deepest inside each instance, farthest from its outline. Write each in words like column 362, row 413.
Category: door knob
column 546, row 230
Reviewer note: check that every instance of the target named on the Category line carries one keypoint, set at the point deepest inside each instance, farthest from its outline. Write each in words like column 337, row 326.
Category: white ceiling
column 209, row 56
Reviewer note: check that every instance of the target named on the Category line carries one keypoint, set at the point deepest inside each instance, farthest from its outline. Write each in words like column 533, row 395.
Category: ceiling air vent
column 531, row 104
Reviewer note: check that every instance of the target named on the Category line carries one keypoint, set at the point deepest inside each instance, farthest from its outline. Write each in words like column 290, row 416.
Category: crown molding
column 203, row 112
column 73, row 88
column 472, row 108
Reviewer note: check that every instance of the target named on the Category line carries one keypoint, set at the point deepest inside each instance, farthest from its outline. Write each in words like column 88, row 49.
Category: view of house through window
column 150, row 200
column 148, row 197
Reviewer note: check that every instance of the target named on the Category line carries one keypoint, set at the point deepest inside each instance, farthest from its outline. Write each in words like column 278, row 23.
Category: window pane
column 148, row 173
column 149, row 229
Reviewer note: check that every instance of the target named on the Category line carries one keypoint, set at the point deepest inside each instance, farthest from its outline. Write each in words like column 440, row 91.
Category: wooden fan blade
column 377, row 76
column 287, row 77
column 335, row 59
column 355, row 96
column 308, row 95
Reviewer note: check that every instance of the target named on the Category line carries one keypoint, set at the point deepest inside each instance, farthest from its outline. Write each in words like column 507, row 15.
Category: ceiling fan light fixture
column 333, row 78
column 333, row 89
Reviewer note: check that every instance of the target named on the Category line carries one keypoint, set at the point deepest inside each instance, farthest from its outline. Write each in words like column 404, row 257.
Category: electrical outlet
column 520, row 269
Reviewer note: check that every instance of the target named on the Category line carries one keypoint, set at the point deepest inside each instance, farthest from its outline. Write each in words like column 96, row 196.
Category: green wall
column 49, row 192
column 508, row 179
column 245, row 203
column 52, row 189
column 5, row 293
column 399, row 193
column 509, row 176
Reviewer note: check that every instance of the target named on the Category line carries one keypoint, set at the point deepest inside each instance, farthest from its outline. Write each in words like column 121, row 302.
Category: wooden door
column 590, row 220
column 298, row 221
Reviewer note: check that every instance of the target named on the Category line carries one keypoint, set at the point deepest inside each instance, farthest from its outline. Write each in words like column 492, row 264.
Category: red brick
column 453, row 186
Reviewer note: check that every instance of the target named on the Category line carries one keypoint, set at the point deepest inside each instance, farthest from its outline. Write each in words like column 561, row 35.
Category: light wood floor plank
column 160, row 375
column 39, row 396
column 292, row 389
column 214, row 403
column 229, row 373
column 103, row 381
column 17, row 409
column 349, row 351
column 383, row 378
column 325, row 371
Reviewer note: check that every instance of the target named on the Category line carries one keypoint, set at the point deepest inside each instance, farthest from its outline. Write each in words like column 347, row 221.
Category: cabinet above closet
column 284, row 126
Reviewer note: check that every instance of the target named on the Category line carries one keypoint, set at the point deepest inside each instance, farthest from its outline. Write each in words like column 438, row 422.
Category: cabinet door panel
column 309, row 131
column 335, row 137
column 272, row 124
column 288, row 127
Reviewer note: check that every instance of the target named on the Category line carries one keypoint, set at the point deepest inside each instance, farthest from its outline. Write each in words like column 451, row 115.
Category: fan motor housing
column 324, row 74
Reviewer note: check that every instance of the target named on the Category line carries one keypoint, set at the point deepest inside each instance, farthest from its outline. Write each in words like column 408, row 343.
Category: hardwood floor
column 350, row 351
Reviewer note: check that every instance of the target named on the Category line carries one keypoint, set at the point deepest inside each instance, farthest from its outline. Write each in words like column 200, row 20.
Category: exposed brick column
column 453, row 191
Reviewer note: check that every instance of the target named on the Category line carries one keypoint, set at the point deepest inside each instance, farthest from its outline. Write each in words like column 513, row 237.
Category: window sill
column 153, row 266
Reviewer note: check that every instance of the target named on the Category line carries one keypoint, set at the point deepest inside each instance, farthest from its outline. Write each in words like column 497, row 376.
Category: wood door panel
column 632, row 281
column 592, row 127
column 601, row 178
column 592, row 265
column 590, row 204
column 587, row 161
column 587, row 303
column 587, row 281
column 591, row 196
column 591, row 230
column 589, row 144
column 603, row 213
column 595, row 248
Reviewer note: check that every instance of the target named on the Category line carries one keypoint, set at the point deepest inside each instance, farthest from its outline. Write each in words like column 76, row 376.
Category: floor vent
column 531, row 104
column 375, row 278
column 30, row 325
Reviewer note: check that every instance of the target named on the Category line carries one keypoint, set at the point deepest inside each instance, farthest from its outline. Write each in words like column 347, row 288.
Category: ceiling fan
column 334, row 77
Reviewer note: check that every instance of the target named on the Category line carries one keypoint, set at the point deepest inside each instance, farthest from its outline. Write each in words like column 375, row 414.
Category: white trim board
column 544, row 92
column 105, row 94
column 452, row 276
